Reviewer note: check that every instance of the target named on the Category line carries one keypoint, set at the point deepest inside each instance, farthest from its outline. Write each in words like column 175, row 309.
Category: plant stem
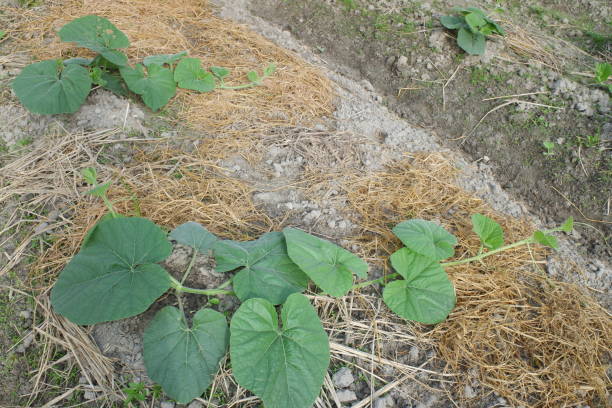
column 191, row 263
column 485, row 254
column 176, row 285
column 454, row 263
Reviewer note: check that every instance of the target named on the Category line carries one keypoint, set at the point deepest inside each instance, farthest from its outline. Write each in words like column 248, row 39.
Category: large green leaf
column 491, row 233
column 426, row 238
column 49, row 87
column 99, row 35
column 328, row 265
column 190, row 75
column 115, row 275
column 472, row 43
column 194, row 235
column 267, row 271
column 426, row 295
column 181, row 359
column 283, row 366
column 156, row 88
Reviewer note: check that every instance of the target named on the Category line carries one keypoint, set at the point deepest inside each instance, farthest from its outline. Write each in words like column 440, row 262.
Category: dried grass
column 297, row 92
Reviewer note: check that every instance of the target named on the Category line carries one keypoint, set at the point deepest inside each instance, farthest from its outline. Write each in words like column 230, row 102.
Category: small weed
column 592, row 140
column 26, row 141
column 550, row 148
column 136, row 391
column 349, row 4
column 2, row 34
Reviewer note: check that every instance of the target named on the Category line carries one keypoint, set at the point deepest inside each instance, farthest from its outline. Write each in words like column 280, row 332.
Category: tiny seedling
column 62, row 86
column 2, row 34
column 282, row 358
column 550, row 148
column 602, row 72
column 135, row 392
column 473, row 27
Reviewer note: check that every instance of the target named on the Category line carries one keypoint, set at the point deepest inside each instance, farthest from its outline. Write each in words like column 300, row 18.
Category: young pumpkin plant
column 473, row 27
column 281, row 359
column 62, row 86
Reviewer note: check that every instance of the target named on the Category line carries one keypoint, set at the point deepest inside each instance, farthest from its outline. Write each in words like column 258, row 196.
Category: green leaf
column 545, row 239
column 426, row 295
column 90, row 174
column 602, row 72
column 220, row 72
column 194, row 235
column 328, row 265
column 452, row 22
column 49, row 87
column 181, row 359
column 161, row 59
column 96, row 76
column 495, row 27
column 270, row 69
column 475, row 21
column 114, row 83
column 426, row 238
column 568, row 225
column 116, row 274
column 253, row 76
column 472, row 43
column 190, row 75
column 2, row 34
column 78, row 61
column 105, row 217
column 489, row 232
column 99, row 35
column 285, row 367
column 156, row 88
column 99, row 190
column 267, row 271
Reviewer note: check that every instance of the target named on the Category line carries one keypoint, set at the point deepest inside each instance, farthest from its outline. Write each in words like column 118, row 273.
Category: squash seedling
column 282, row 359
column 473, row 27
column 62, row 86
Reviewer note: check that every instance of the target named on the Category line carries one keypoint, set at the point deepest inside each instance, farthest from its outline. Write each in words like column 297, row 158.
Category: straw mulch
column 297, row 92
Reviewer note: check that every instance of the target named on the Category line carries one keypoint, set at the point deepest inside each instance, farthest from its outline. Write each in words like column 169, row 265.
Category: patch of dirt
column 400, row 48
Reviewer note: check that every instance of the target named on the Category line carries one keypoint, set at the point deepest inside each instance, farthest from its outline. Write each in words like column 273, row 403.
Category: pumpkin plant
column 282, row 359
column 62, row 86
column 473, row 27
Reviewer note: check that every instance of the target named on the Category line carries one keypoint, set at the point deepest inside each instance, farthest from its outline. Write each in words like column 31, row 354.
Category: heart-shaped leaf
column 472, row 43
column 190, row 75
column 267, row 271
column 328, row 265
column 426, row 238
column 49, row 87
column 114, row 83
column 284, row 366
column 156, row 88
column 99, row 35
column 181, row 359
column 194, row 235
column 162, row 59
column 426, row 295
column 490, row 232
column 117, row 269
